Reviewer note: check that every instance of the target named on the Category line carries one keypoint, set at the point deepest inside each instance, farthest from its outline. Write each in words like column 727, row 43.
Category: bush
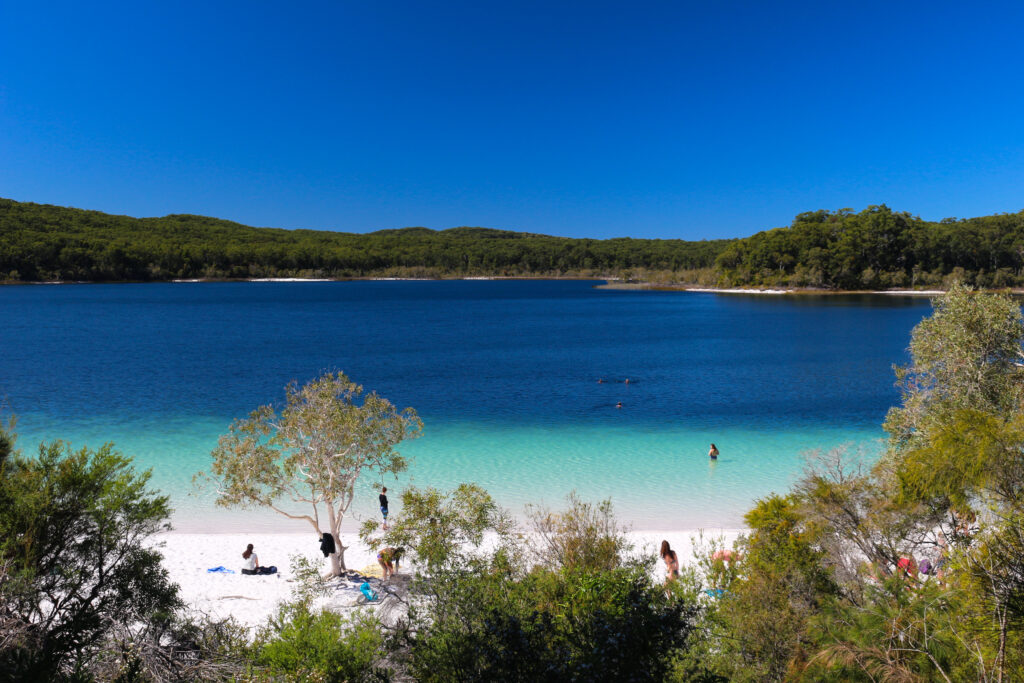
column 306, row 645
column 550, row 625
column 73, row 525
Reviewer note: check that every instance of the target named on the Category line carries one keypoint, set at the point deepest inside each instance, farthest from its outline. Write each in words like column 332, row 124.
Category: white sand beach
column 252, row 599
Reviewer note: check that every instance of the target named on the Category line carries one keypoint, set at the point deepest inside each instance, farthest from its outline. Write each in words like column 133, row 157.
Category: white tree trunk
column 338, row 556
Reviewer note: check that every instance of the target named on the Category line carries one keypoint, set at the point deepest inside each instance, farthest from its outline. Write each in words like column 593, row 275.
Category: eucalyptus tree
column 966, row 355
column 304, row 460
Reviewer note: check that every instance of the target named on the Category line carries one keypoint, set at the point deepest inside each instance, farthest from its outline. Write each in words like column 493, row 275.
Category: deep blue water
column 504, row 374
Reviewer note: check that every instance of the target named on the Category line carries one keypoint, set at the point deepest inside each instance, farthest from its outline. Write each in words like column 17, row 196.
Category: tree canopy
column 876, row 248
column 74, row 562
column 304, row 459
column 41, row 242
column 879, row 248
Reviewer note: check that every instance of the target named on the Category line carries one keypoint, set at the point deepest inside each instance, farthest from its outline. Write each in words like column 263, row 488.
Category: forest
column 51, row 243
column 877, row 248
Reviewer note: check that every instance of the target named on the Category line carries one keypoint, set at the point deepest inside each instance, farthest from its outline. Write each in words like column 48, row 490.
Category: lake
column 503, row 373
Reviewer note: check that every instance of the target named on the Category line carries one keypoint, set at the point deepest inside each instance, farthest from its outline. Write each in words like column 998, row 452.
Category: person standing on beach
column 671, row 562
column 384, row 505
column 388, row 559
column 713, row 453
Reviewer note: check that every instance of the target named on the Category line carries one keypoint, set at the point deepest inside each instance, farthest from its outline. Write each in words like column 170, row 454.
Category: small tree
column 584, row 536
column 74, row 566
column 312, row 452
column 447, row 530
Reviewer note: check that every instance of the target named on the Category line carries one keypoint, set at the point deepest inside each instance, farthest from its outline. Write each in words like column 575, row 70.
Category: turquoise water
column 504, row 375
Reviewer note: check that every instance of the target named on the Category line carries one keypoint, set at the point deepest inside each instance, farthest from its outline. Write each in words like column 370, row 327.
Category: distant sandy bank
column 655, row 287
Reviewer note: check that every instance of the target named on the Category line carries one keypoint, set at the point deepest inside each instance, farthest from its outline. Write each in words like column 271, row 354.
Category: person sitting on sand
column 252, row 563
column 388, row 559
column 671, row 562
column 713, row 452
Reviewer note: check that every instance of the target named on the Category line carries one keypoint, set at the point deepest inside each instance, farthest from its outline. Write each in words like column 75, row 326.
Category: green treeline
column 877, row 248
column 42, row 242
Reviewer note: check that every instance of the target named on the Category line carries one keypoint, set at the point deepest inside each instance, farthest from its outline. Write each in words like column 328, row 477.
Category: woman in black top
column 384, row 505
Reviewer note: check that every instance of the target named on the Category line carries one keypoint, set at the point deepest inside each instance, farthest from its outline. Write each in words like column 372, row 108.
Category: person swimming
column 619, row 404
column 713, row 452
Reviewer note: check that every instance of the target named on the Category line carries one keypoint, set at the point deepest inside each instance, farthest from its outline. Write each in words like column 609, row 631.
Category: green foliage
column 782, row 544
column 480, row 612
column 876, row 248
column 549, row 626
column 819, row 595
column 973, row 457
column 965, row 356
column 445, row 529
column 879, row 248
column 73, row 532
column 41, row 242
column 897, row 634
column 312, row 452
column 585, row 536
column 774, row 586
column 301, row 644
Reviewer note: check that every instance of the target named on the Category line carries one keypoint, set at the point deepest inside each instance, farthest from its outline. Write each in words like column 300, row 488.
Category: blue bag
column 365, row 589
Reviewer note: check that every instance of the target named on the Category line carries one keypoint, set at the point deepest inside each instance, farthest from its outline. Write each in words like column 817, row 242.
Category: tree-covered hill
column 43, row 242
column 879, row 248
column 876, row 248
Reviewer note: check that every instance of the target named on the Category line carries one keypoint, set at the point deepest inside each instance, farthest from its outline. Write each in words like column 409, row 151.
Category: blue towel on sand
column 221, row 570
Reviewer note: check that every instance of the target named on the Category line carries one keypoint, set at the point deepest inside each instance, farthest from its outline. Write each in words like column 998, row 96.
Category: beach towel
column 372, row 570
column 327, row 546
column 221, row 570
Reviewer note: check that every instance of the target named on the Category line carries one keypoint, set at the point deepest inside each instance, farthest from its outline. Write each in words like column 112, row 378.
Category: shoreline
column 608, row 283
column 252, row 600
column 770, row 291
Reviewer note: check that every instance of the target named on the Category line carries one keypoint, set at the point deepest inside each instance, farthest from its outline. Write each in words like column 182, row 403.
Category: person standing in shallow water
column 384, row 505
column 713, row 452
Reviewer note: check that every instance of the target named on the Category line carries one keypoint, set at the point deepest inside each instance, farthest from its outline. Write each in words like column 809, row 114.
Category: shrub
column 302, row 644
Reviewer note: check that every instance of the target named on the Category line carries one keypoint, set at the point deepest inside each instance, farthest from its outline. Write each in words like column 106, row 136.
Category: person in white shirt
column 252, row 563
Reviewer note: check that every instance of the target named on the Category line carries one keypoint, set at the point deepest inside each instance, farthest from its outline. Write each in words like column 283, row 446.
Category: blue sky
column 661, row 119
